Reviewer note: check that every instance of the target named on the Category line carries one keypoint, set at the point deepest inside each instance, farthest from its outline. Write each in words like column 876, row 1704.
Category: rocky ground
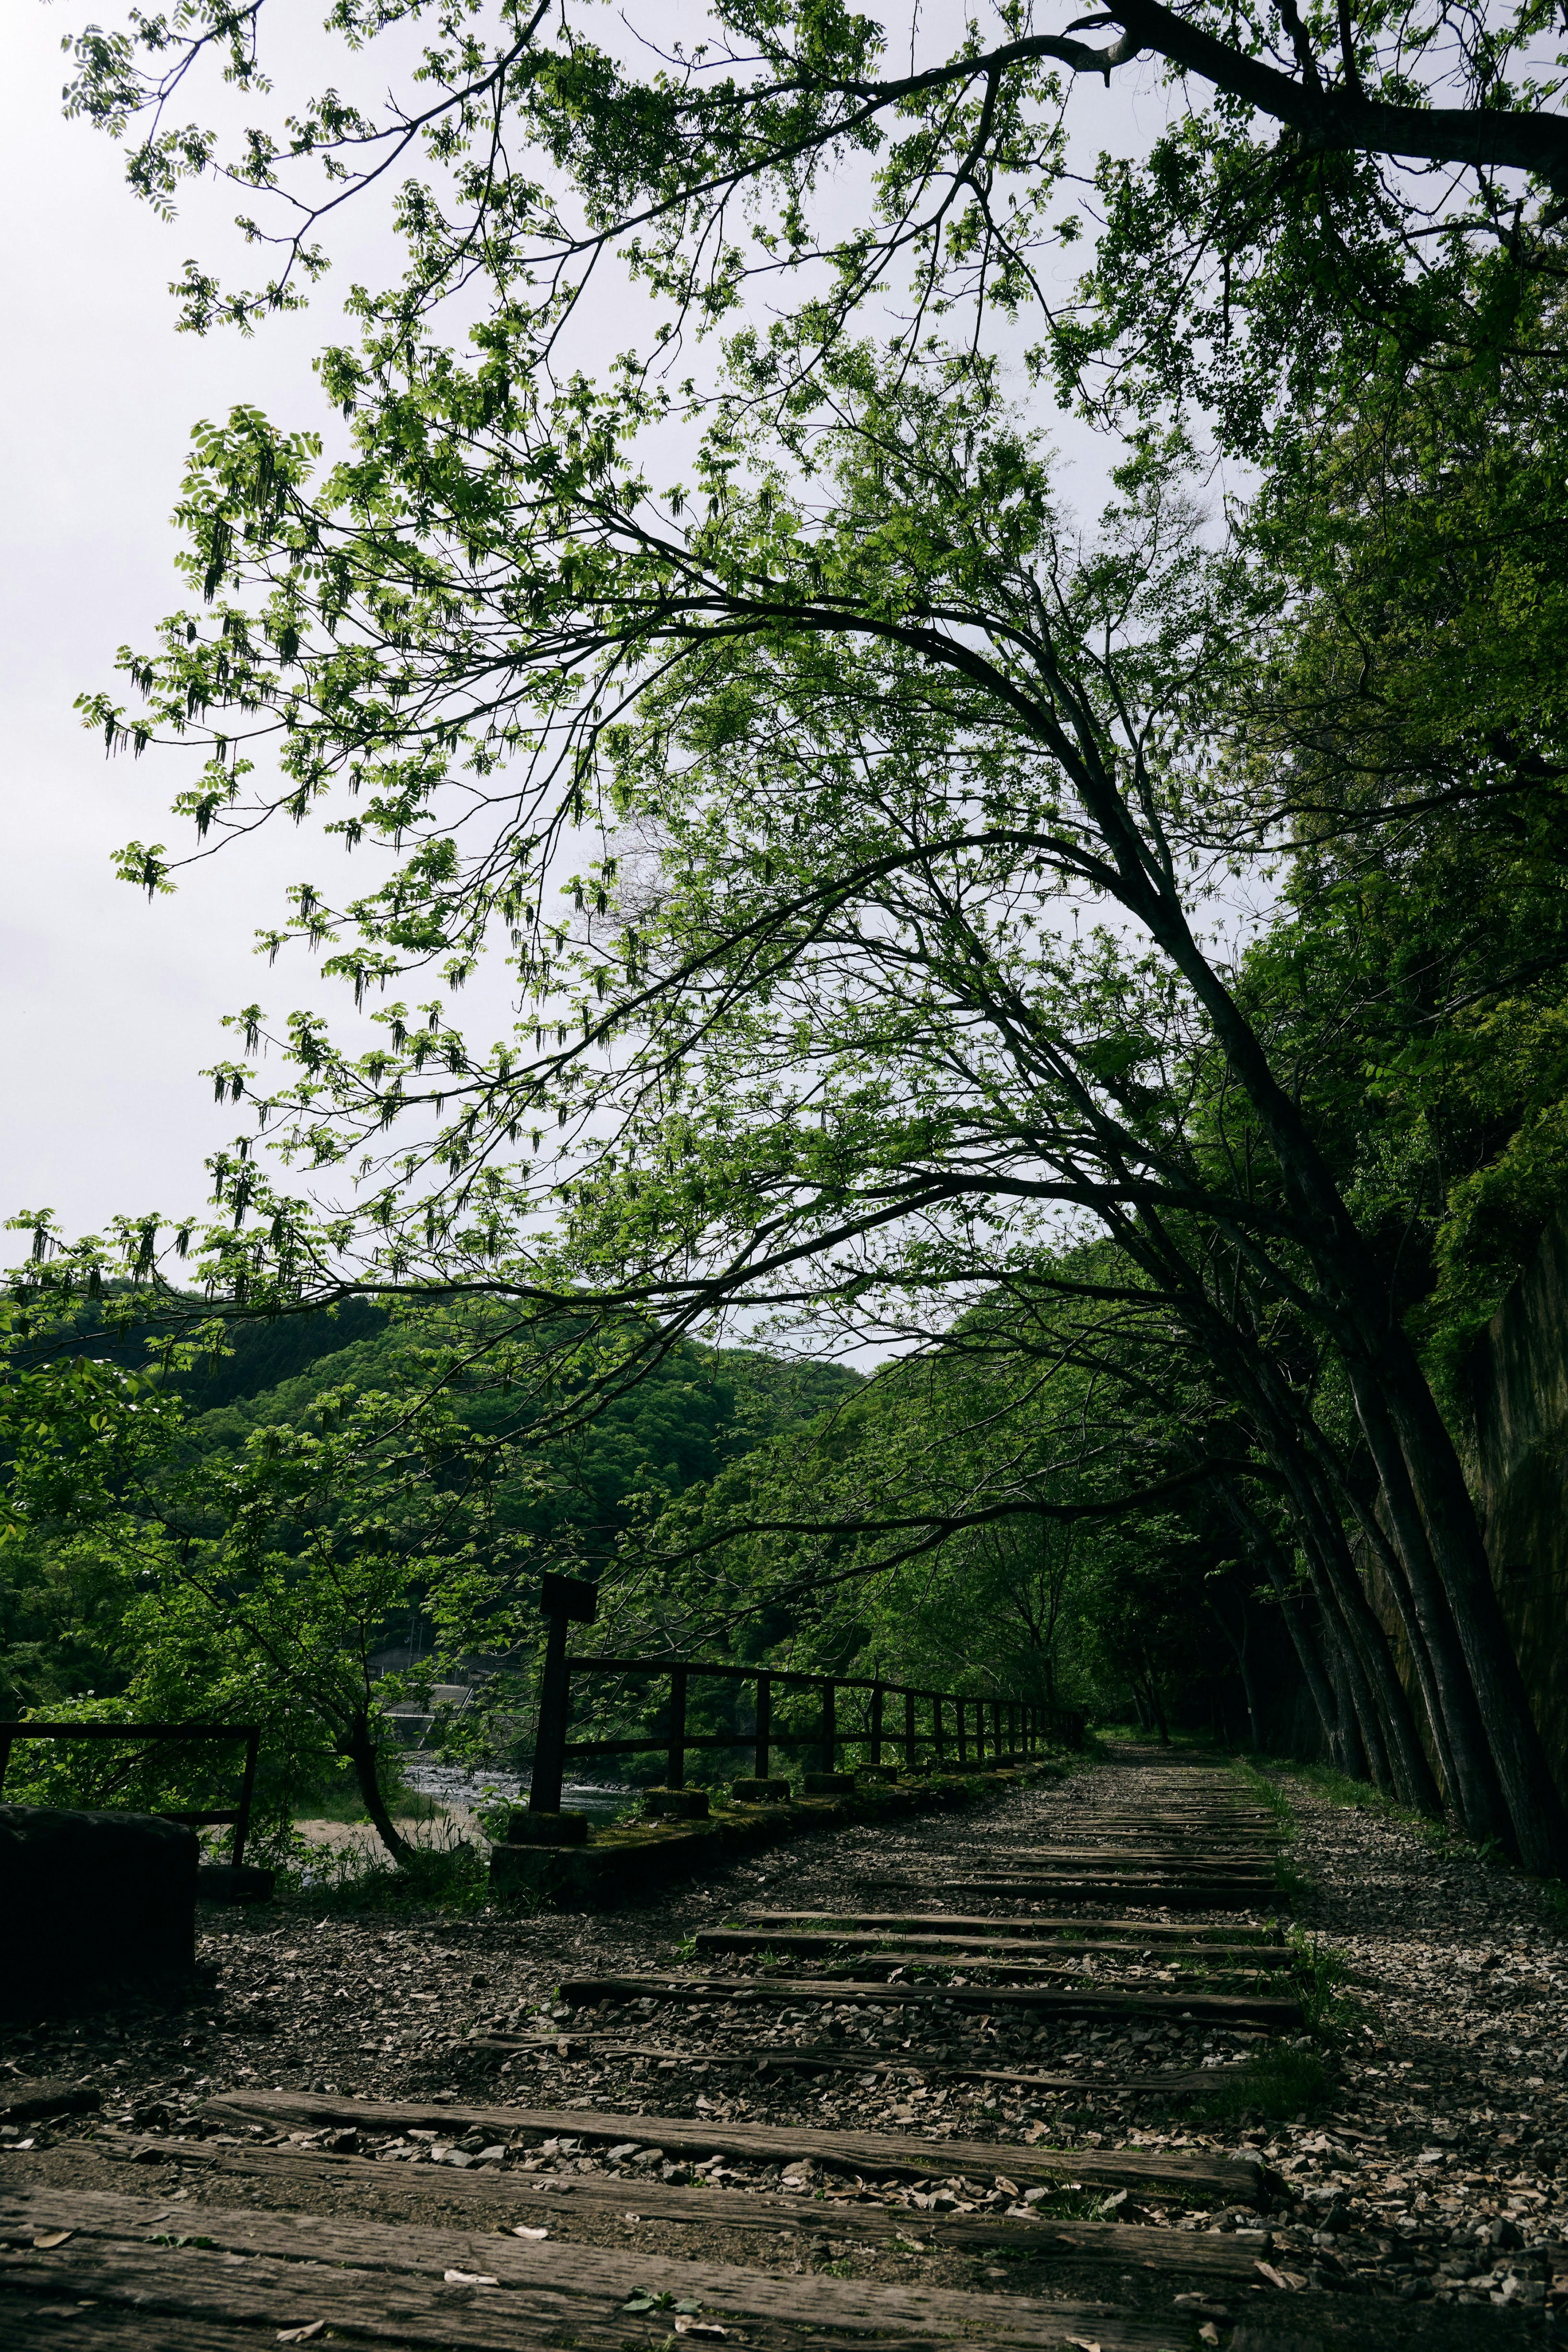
column 1426, row 2172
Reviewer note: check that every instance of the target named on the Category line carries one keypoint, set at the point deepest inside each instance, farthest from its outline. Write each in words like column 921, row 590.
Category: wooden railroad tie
column 1163, row 1894
column 993, row 1951
column 107, row 2282
column 1203, row 1859
column 1280, row 2014
column 547, row 2197
column 808, row 2058
column 1196, row 2178
column 1177, row 1933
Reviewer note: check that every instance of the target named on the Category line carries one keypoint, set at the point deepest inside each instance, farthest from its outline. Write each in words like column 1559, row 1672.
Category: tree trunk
column 360, row 1750
column 1156, row 1704
column 1535, row 1807
column 1355, row 1302
column 1243, row 1667
column 1477, row 1795
column 1377, row 1539
column 1384, row 1733
column 1318, row 1687
column 1408, row 1773
column 1358, row 1763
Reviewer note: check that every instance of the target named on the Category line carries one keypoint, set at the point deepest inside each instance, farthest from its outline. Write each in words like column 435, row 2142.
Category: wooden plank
column 1200, row 1856
column 545, row 2198
column 1102, row 1862
column 1281, row 2014
column 956, row 1923
column 388, row 2284
column 1014, row 1874
column 920, row 1965
column 998, row 1950
column 1157, row 1892
column 1262, row 1827
column 1197, row 2176
column 784, row 2057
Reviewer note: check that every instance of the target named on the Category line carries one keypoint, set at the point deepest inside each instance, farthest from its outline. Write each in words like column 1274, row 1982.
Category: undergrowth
column 1318, row 1973
column 1278, row 2084
column 1292, row 1880
column 361, row 1880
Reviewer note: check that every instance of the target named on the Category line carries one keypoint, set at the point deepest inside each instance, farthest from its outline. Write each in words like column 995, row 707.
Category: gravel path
column 1428, row 2178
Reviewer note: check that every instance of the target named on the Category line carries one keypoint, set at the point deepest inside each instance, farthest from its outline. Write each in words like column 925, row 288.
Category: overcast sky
column 112, row 1006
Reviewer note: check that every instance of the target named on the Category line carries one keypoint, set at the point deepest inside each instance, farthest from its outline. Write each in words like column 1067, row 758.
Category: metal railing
column 238, row 1816
column 957, row 1726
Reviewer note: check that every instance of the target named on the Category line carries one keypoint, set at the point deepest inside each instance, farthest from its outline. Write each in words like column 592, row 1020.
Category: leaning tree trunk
column 359, row 1748
column 1358, row 1310
column 1319, row 1688
column 1410, row 1771
column 1375, row 1536
column 1243, row 1667
column 1535, row 1806
column 1377, row 1704
column 1478, row 1788
column 1363, row 1699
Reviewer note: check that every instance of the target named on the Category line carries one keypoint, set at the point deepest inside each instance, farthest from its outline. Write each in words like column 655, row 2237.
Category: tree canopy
column 922, row 903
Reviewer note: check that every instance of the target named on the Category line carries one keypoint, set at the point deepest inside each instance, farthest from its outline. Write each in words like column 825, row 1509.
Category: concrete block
column 827, row 1784
column 674, row 1804
column 773, row 1792
column 88, row 1898
column 547, row 1829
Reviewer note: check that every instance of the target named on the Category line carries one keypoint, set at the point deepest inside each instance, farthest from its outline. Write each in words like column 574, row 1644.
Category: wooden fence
column 236, row 1817
column 928, row 1727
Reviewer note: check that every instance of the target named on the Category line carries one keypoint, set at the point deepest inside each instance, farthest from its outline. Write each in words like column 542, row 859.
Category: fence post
column 829, row 1729
column 877, row 1723
column 997, row 1741
column 1012, row 1728
column 764, row 1725
column 247, row 1792
column 938, row 1740
column 675, row 1771
column 564, row 1601
column 963, row 1750
column 911, row 1752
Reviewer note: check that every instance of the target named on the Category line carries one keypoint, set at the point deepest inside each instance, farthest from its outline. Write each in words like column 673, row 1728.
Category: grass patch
column 1328, row 1781
column 361, row 1881
column 1318, row 1974
column 1291, row 1882
column 1266, row 1792
column 1276, row 2085
column 346, row 1804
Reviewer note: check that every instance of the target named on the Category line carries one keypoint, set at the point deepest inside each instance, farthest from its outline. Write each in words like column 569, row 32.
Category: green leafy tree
column 864, row 725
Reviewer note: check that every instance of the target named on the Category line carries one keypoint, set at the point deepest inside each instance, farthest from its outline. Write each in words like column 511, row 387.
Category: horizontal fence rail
column 962, row 1726
column 237, row 1816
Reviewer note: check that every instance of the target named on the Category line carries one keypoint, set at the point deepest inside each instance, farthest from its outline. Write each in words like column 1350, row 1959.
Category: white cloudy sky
column 112, row 1006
